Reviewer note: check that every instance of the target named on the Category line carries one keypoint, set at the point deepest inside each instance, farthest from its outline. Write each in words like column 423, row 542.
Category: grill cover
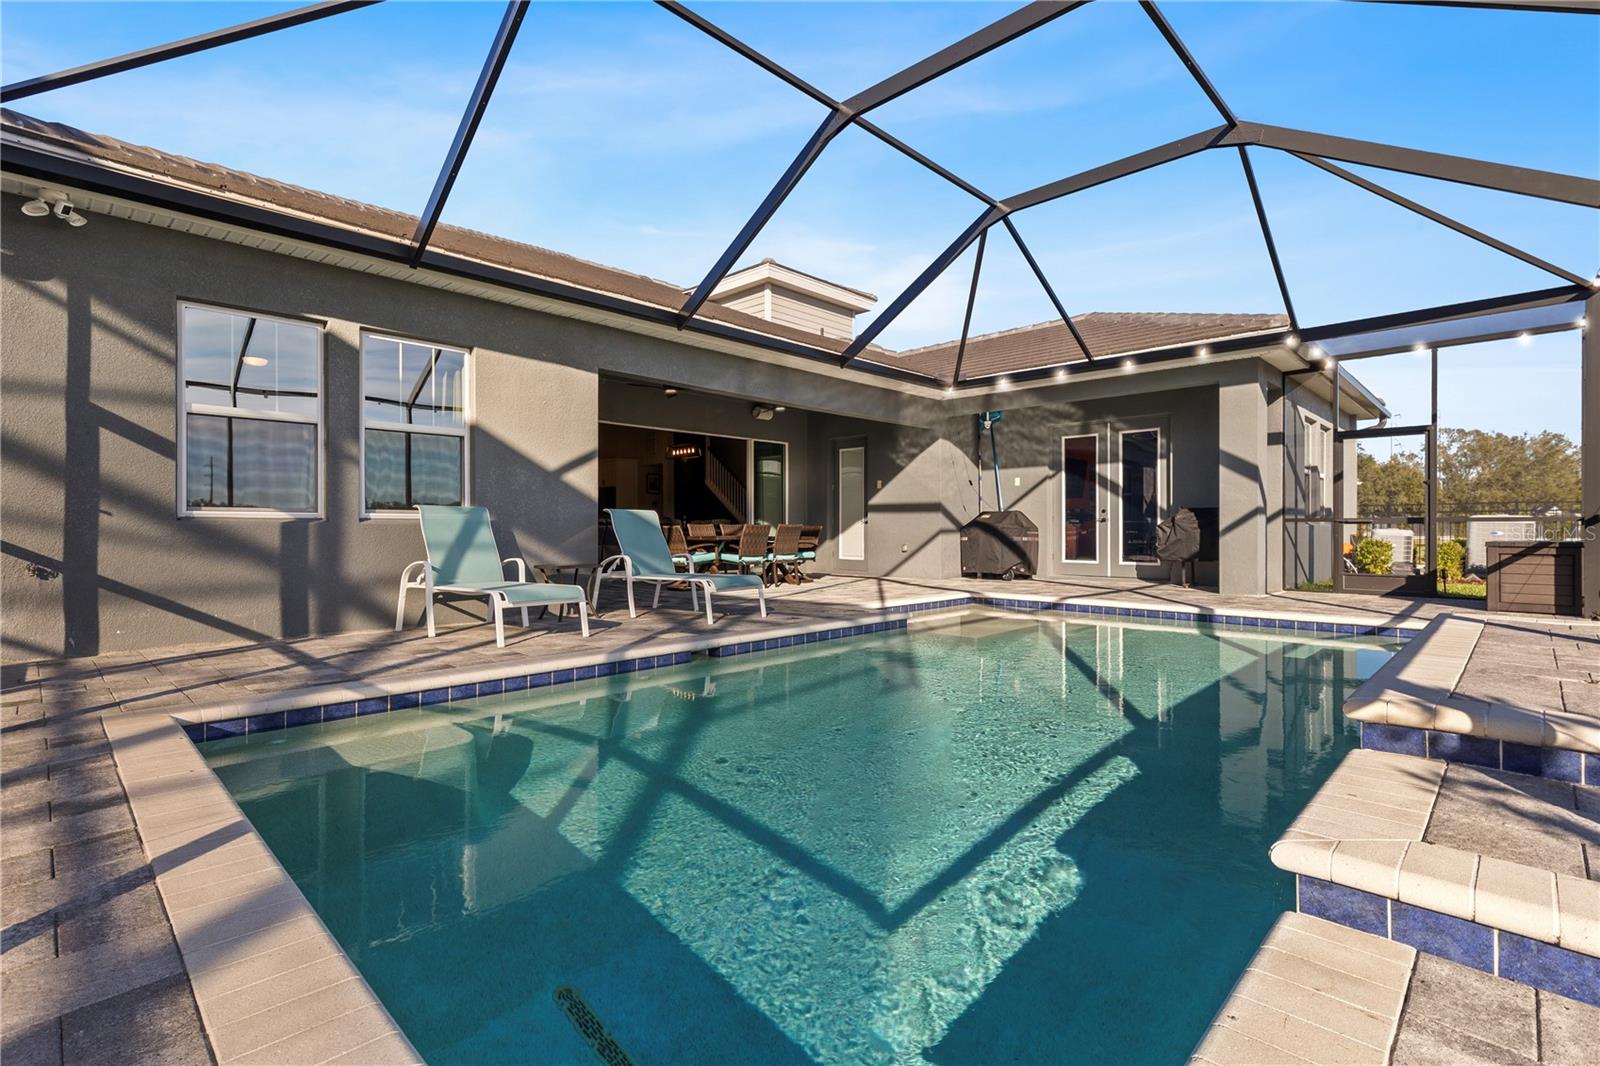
column 1178, row 538
column 1002, row 543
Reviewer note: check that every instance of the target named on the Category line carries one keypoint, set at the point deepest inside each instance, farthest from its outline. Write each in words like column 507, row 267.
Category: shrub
column 1374, row 556
column 1452, row 559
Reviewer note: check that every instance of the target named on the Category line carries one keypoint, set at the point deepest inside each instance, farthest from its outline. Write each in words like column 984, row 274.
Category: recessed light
column 669, row 391
column 1202, row 351
column 1128, row 364
column 254, row 360
column 1524, row 338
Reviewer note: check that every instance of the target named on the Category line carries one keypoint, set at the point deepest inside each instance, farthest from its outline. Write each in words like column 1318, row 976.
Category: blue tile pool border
column 1559, row 764
column 272, row 721
column 898, row 617
column 745, row 647
column 1548, row 967
column 1203, row 616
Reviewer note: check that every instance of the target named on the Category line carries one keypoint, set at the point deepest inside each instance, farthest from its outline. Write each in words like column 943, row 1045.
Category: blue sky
column 621, row 135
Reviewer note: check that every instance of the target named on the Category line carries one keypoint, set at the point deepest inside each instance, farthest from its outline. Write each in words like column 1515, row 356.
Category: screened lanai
column 986, row 172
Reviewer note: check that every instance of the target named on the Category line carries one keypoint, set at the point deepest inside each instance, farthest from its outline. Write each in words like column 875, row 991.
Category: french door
column 1113, row 494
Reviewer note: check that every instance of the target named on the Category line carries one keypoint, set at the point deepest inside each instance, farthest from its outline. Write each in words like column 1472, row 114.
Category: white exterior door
column 851, row 483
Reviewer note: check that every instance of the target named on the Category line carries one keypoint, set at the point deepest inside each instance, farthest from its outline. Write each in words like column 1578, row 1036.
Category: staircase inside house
column 725, row 485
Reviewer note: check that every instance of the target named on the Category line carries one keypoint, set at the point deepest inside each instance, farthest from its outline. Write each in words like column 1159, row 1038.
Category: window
column 250, row 432
column 1318, row 467
column 413, row 422
column 771, row 496
column 1080, row 499
column 1141, row 494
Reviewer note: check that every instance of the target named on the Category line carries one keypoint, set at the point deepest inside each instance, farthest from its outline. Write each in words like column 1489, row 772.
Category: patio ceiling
column 1073, row 353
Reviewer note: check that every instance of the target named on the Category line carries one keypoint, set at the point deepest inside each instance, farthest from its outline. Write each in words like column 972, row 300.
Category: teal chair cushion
column 722, row 582
column 786, row 558
column 808, row 555
column 697, row 558
column 735, row 557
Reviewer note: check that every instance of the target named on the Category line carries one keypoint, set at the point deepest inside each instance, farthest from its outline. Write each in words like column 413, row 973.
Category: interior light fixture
column 254, row 360
column 684, row 451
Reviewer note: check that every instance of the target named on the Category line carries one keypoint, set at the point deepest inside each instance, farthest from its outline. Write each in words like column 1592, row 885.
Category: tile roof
column 1043, row 344
column 1108, row 333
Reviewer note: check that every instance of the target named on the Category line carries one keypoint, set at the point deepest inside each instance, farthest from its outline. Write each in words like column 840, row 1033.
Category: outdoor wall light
column 54, row 202
column 762, row 413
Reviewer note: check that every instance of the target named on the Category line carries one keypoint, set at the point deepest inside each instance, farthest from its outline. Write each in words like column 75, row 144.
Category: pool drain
column 589, row 1026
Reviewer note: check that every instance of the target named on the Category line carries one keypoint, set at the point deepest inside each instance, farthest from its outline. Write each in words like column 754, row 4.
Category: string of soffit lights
column 1310, row 147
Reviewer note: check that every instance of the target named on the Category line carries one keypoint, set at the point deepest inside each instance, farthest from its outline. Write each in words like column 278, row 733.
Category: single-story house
column 216, row 421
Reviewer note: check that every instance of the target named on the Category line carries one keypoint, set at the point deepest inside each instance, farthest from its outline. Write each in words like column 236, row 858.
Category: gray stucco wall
column 95, row 560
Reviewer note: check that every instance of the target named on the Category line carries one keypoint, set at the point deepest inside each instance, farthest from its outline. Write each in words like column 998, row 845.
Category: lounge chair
column 646, row 557
column 463, row 560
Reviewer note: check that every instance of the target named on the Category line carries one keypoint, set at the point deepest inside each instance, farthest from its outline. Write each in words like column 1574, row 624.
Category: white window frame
column 751, row 479
column 185, row 409
column 1161, row 491
column 1317, row 461
column 1099, row 444
column 464, row 433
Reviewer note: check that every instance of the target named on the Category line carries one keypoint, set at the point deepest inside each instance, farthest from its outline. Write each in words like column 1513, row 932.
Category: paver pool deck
column 111, row 819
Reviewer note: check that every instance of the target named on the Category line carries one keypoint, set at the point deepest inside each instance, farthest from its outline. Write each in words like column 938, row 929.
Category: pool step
column 1486, row 869
column 1314, row 992
column 1318, row 992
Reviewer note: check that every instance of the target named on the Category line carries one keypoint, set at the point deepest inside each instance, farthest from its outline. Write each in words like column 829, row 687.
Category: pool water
column 992, row 839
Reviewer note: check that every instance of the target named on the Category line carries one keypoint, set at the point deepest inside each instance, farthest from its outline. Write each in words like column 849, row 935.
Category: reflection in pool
column 997, row 839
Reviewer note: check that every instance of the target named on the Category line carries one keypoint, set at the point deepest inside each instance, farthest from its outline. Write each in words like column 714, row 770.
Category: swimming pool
column 991, row 838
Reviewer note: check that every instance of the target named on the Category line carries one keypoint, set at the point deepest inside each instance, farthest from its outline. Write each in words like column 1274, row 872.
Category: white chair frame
column 419, row 575
column 699, row 585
